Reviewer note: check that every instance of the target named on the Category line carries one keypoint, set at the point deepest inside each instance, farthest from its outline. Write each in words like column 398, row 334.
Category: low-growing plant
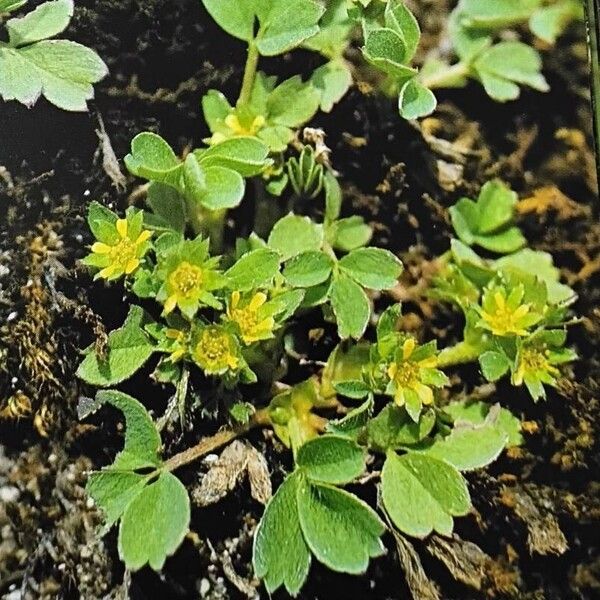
column 33, row 64
column 215, row 317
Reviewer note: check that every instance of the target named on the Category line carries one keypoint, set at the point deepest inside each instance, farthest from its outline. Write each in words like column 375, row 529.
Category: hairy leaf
column 350, row 306
column 254, row 269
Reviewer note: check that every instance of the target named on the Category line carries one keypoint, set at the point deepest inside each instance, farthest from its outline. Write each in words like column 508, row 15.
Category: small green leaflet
column 415, row 100
column 153, row 507
column 331, row 459
column 350, row 233
column 393, row 428
column 421, row 494
column 373, row 268
column 308, row 269
column 8, row 6
column 294, row 234
column 254, row 269
column 351, row 307
column 128, row 349
column 32, row 65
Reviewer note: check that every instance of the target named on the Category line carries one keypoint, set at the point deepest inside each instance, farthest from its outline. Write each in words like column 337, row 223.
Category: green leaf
column 168, row 208
column 332, row 80
column 385, row 49
column 128, row 349
column 470, row 447
column 399, row 18
column 46, row 21
column 350, row 306
column 253, row 270
column 505, row 66
column 292, row 103
column 373, row 268
column 352, row 424
column 415, row 100
column 152, row 158
column 477, row 412
column 215, row 108
column 101, row 221
column 331, row 459
column 351, row 233
column 154, row 523
column 280, row 555
column 294, row 234
column 60, row 70
column 495, row 206
column 308, row 269
column 224, row 188
column 142, row 441
column 246, row 155
column 421, row 494
column 393, row 428
column 234, row 17
column 494, row 365
column 8, row 6
column 549, row 22
column 112, row 491
column 341, row 531
column 497, row 14
column 388, row 321
column 282, row 29
column 333, row 196
column 355, row 388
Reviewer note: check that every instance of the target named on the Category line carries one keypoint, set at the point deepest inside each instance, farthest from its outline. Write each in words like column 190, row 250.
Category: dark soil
column 537, row 511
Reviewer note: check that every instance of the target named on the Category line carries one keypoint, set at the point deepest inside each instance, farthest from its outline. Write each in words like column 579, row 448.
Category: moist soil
column 533, row 533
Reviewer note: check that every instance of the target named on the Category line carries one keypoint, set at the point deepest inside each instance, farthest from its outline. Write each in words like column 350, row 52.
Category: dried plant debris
column 237, row 460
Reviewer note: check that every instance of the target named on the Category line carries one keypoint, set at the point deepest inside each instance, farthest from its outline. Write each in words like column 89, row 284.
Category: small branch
column 210, row 444
column 446, row 77
column 249, row 74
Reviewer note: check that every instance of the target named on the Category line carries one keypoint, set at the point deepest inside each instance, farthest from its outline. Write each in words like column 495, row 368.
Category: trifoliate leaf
column 142, row 441
column 415, row 100
column 128, row 349
column 332, row 80
column 308, row 269
column 246, row 155
column 253, row 270
column 294, row 234
column 60, row 70
column 46, row 21
column 351, row 233
column 282, row 29
column 154, row 523
column 421, row 494
column 280, row 555
column 341, row 531
column 494, row 365
column 393, row 428
column 373, row 268
column 331, row 459
column 505, row 66
column 350, row 306
column 470, row 447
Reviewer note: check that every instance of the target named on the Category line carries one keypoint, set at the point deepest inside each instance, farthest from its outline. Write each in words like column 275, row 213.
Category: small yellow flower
column 215, row 350
column 534, row 362
column 241, row 129
column 503, row 320
column 178, row 341
column 413, row 374
column 254, row 324
column 184, row 285
column 123, row 255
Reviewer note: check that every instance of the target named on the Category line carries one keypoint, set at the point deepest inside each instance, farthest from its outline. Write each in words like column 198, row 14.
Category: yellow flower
column 413, row 374
column 506, row 314
column 178, row 341
column 215, row 350
column 241, row 129
column 253, row 322
column 122, row 255
column 535, row 362
column 184, row 285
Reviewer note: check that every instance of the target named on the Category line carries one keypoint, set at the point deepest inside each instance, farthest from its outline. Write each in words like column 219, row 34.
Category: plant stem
column 459, row 354
column 210, row 444
column 446, row 77
column 207, row 222
column 249, row 74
